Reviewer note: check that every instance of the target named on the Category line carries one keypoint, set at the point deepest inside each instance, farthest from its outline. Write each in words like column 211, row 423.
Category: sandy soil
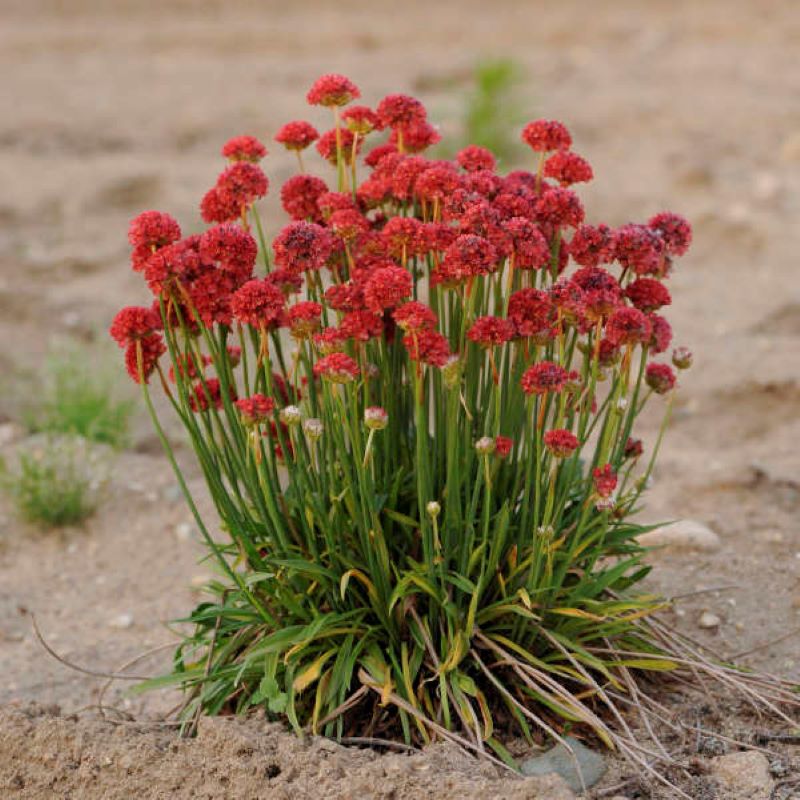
column 109, row 108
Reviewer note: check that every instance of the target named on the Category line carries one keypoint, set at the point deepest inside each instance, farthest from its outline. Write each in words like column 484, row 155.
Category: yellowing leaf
column 312, row 672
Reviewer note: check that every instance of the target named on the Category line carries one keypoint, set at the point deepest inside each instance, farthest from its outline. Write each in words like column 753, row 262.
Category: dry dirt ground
column 107, row 108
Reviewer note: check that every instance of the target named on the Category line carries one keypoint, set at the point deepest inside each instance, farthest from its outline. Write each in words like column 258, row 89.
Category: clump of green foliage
column 51, row 485
column 80, row 396
column 491, row 113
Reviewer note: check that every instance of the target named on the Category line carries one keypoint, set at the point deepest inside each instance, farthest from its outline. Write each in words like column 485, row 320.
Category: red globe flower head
column 399, row 109
column 482, row 219
column 662, row 333
column 373, row 192
column 345, row 297
column 436, row 182
column 561, row 443
column 369, row 251
column 674, row 230
column 567, row 168
column 376, row 156
column 134, row 322
column 520, row 179
column 628, row 326
column 330, row 202
column 503, row 446
column 152, row 348
column 633, row 448
column 361, row 326
column 402, row 236
column 560, row 207
column 258, row 303
column 648, row 294
column 302, row 246
column 608, row 353
column 491, row 331
column 230, row 246
column 601, row 292
column 605, row 480
column 297, row 135
column 532, row 312
column 237, row 188
column 386, row 288
column 347, row 224
column 530, row 248
column 414, row 137
column 244, row 148
column 471, row 255
column 568, row 298
column 337, row 368
column 474, row 158
column 299, row 197
column 543, row 135
column 211, row 296
column 485, row 183
column 415, row 317
column 330, row 340
column 660, row 378
column 404, row 174
column 519, row 202
column 436, row 237
column 153, row 229
column 332, row 90
column 638, row 248
column 428, row 347
column 591, row 245
column 304, row 319
column 326, row 146
column 544, row 377
column 360, row 119
column 255, row 409
column 287, row 280
column 208, row 394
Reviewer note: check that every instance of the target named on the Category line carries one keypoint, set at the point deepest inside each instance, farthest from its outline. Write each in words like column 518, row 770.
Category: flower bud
column 682, row 357
column 290, row 415
column 376, row 418
column 313, row 428
column 485, row 445
column 433, row 509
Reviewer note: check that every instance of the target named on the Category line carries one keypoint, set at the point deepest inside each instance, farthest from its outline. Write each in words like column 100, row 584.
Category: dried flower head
column 290, row 416
column 682, row 357
column 486, row 445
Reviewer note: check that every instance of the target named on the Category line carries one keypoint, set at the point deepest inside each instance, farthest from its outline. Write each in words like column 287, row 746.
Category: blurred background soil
column 108, row 108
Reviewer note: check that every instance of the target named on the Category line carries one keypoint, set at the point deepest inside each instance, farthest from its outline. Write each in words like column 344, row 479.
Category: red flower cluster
column 544, row 377
column 337, row 367
column 543, row 135
column 491, row 331
column 332, row 90
column 297, row 135
column 244, row 148
column 561, row 443
column 255, row 409
column 605, row 480
column 237, row 188
column 428, row 347
column 258, row 303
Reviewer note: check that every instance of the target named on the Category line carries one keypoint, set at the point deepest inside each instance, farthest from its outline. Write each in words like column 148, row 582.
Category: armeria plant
column 415, row 414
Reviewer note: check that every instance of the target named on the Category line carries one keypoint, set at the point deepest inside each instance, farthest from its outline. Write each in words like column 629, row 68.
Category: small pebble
column 590, row 765
column 708, row 620
column 745, row 775
column 183, row 532
column 122, row 621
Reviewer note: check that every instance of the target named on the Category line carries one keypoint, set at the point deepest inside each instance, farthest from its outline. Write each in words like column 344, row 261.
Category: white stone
column 121, row 621
column 686, row 534
column 183, row 532
column 708, row 620
column 745, row 775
